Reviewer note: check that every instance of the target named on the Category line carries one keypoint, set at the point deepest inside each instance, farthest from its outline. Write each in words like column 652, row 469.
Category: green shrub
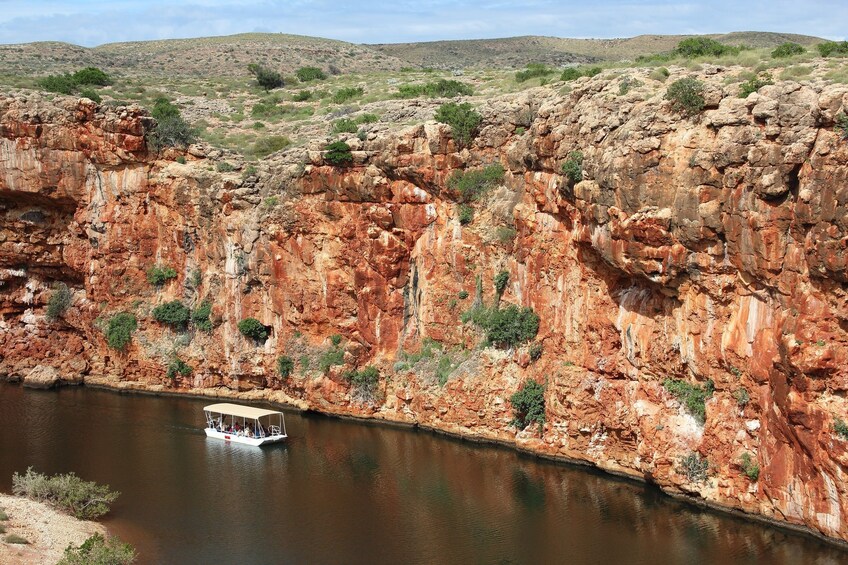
column 365, row 380
column 306, row 74
column 343, row 95
column 753, row 85
column 693, row 397
column 97, row 550
column 253, row 329
column 787, row 49
column 751, row 469
column 829, row 48
column 570, row 73
column 224, row 167
column 528, row 405
column 336, row 340
column 181, row 160
column 501, row 280
column 61, row 84
column 345, row 125
column 841, row 126
column 702, row 47
column 367, row 118
column 85, row 500
column 92, row 76
column 472, row 185
column 264, row 146
column 573, row 167
column 338, row 154
column 59, row 301
column 694, row 467
column 660, row 74
column 119, row 330
column 285, row 366
column 440, row 89
column 91, row 94
column 511, row 326
column 200, row 316
column 178, row 367
column 302, row 95
column 533, row 70
column 330, row 358
column 171, row 129
column 463, row 294
column 840, row 427
column 742, row 397
column 159, row 275
column 444, row 369
column 535, row 351
column 174, row 314
column 462, row 119
column 265, row 77
column 465, row 214
column 16, row 539
column 686, row 96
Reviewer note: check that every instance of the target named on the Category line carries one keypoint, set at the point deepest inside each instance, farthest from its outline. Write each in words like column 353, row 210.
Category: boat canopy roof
column 240, row 411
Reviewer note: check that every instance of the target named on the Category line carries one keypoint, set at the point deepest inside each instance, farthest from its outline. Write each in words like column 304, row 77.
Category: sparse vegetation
column 694, row 467
column 159, row 275
column 364, row 381
column 465, row 214
column 440, row 89
column 535, row 351
column 462, row 119
column 573, row 167
column 840, row 427
column 264, row 146
column 16, row 539
column 336, row 340
column 59, row 301
column 97, row 550
column 533, row 70
column 119, row 330
column 178, row 367
column 686, row 96
column 473, row 184
column 224, row 167
column 285, row 366
column 302, row 96
column 573, row 73
column 330, row 358
column 788, row 49
column 173, row 313
column 841, row 126
column 342, row 95
column 253, row 329
column 171, row 129
column 463, row 294
column 307, row 74
column 91, row 94
column 528, row 405
column 751, row 469
column 338, row 154
column 265, row 77
column 754, row 84
column 660, row 74
column 742, row 397
column 693, row 397
column 85, row 500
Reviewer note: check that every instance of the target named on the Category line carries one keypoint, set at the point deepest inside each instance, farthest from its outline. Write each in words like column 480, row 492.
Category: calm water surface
column 342, row 492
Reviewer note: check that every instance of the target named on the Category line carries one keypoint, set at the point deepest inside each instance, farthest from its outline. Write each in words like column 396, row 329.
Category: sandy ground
column 48, row 531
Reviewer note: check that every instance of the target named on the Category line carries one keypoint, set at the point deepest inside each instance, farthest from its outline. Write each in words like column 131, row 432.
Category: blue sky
column 93, row 22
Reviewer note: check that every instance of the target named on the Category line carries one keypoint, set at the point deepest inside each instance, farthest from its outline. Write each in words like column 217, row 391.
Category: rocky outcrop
column 707, row 250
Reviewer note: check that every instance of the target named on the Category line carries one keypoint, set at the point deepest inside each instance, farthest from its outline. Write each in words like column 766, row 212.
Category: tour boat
column 244, row 424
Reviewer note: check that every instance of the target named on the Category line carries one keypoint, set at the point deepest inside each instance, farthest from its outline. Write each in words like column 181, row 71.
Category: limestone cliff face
column 698, row 249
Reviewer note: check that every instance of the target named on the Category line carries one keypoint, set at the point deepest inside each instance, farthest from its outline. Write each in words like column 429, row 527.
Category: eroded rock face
column 698, row 249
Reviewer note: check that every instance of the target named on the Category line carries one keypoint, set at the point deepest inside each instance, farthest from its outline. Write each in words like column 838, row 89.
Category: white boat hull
column 235, row 438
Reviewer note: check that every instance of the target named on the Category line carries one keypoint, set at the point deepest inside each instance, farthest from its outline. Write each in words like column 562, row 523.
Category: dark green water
column 342, row 492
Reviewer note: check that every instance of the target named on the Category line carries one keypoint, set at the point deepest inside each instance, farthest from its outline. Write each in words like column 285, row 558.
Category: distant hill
column 518, row 51
column 230, row 55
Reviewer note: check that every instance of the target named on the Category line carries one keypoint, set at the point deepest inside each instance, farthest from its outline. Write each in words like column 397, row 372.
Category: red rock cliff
column 708, row 249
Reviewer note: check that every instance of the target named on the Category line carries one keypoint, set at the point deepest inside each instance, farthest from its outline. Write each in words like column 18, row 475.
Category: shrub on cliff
column 753, row 85
column 253, row 329
column 693, row 397
column 840, row 427
column 97, row 550
column 465, row 214
column 306, row 74
column 265, row 77
column 59, row 301
column 751, row 469
column 365, row 381
column 463, row 120
column 91, row 94
column 338, row 154
column 686, row 96
column 285, row 366
column 174, row 314
column 694, row 468
column 159, row 275
column 171, row 129
column 120, row 329
column 333, row 356
column 70, row 83
column 528, row 405
column 178, row 367
column 573, row 167
column 787, row 49
column 200, row 316
column 841, row 126
column 85, row 500
column 472, row 185
column 511, row 326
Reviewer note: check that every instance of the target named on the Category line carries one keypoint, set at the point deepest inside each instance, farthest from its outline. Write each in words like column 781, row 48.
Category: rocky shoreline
column 48, row 531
